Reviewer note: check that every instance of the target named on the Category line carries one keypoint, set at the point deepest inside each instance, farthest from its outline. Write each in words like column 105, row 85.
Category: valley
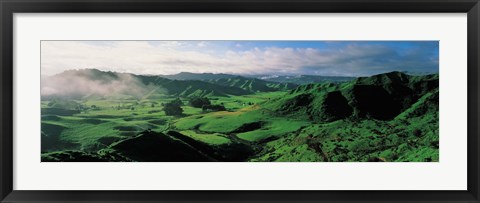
column 91, row 115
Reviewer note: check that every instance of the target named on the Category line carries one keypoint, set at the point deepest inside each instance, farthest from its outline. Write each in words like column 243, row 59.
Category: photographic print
column 239, row 101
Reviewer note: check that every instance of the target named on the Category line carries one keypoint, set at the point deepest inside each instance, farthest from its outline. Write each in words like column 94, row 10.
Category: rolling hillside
column 381, row 97
column 248, row 83
column 386, row 117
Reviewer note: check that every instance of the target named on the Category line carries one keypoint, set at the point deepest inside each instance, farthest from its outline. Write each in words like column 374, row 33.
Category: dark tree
column 199, row 102
column 213, row 108
column 177, row 101
column 172, row 109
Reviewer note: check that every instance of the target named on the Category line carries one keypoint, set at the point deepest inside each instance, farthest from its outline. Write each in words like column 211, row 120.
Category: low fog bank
column 76, row 84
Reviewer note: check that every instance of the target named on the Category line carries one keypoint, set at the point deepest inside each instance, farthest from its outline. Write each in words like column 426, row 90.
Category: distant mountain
column 197, row 76
column 303, row 79
column 259, row 82
column 419, row 73
column 250, row 84
column 253, row 84
column 381, row 97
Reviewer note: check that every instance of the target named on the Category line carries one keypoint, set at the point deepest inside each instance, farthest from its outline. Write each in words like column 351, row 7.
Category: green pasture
column 104, row 121
column 214, row 139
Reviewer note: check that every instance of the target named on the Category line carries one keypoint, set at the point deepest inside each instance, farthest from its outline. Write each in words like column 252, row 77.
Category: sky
column 328, row 58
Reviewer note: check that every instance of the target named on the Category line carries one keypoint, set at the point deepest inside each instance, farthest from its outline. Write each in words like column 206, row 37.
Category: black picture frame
column 10, row 7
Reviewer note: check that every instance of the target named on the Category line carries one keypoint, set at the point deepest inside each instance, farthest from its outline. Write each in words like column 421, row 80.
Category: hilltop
column 251, row 84
column 381, row 96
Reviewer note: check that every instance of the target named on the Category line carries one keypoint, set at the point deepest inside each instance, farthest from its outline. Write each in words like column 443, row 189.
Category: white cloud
column 126, row 56
column 202, row 44
column 170, row 57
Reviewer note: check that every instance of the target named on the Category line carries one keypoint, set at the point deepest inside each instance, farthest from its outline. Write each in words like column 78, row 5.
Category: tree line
column 174, row 107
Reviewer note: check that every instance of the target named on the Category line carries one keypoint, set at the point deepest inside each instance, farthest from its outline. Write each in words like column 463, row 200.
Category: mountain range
column 96, row 83
column 295, row 79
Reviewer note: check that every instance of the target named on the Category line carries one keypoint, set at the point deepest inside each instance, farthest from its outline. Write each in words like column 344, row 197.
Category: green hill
column 386, row 117
column 152, row 146
column 250, row 84
column 381, row 97
column 190, row 88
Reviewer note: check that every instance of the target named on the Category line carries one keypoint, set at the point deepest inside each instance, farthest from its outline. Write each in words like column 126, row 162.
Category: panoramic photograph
column 239, row 101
